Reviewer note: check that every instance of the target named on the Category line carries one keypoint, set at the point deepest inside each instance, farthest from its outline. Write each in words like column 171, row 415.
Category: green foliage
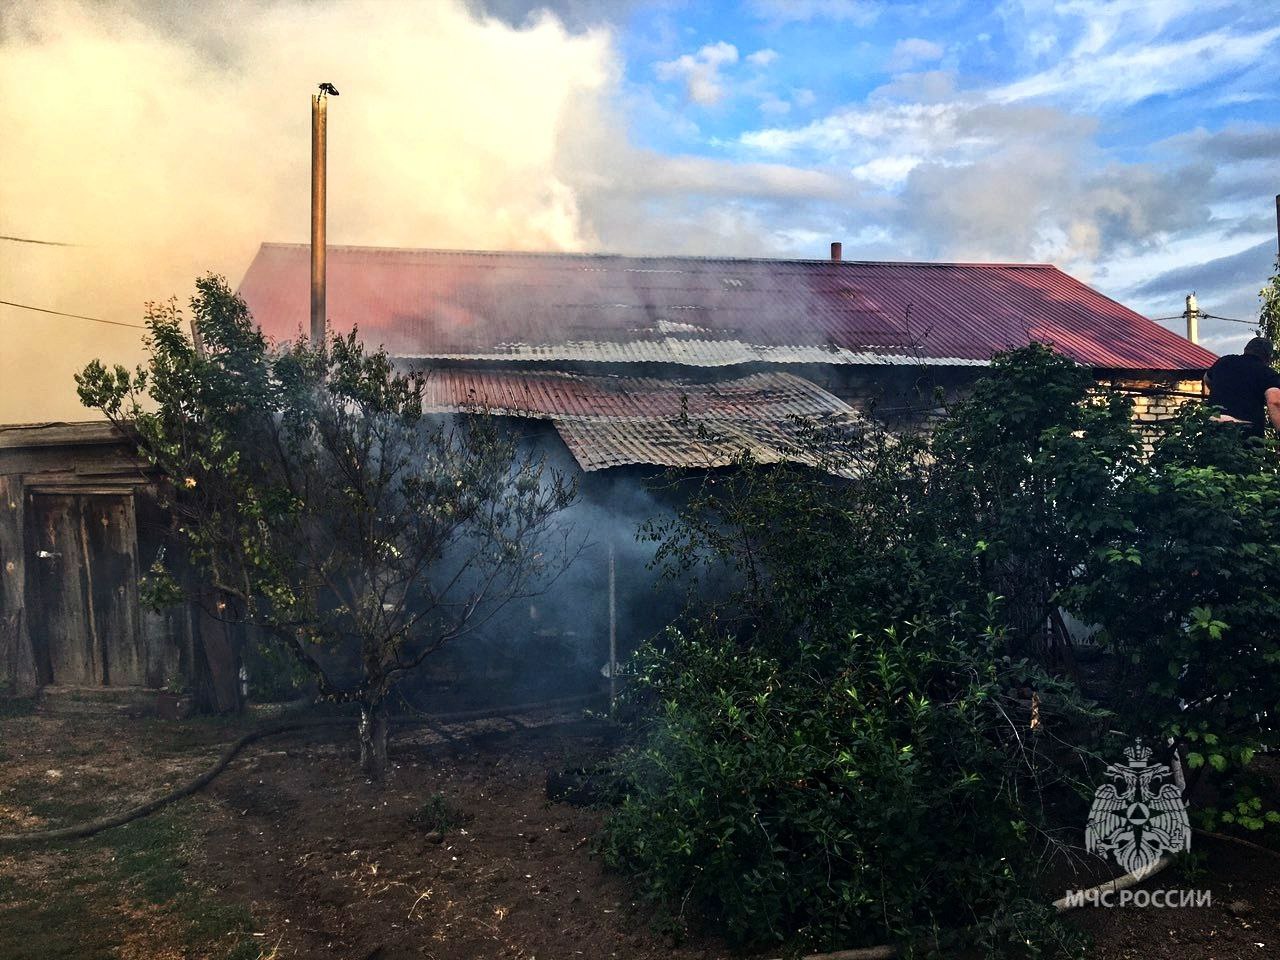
column 439, row 815
column 836, row 793
column 1269, row 309
column 1187, row 589
column 313, row 498
column 1026, row 475
column 841, row 753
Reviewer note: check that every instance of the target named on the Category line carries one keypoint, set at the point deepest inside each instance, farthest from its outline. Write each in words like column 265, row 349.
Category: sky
column 1136, row 145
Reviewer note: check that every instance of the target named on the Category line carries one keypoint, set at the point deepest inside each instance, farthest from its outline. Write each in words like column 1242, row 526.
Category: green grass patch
column 150, row 855
column 438, row 815
column 56, row 923
column 16, row 707
column 49, row 798
column 72, row 913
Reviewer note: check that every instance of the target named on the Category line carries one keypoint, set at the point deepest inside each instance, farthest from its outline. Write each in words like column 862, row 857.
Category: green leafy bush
column 840, row 752
column 1185, row 583
column 834, row 794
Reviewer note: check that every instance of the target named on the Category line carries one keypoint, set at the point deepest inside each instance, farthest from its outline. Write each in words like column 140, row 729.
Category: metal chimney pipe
column 837, row 248
column 319, row 111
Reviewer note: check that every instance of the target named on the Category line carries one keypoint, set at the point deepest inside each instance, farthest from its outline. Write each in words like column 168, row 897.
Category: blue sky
column 1136, row 144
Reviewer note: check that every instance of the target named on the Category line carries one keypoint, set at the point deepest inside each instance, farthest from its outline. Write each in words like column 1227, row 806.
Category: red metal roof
column 705, row 312
column 615, row 421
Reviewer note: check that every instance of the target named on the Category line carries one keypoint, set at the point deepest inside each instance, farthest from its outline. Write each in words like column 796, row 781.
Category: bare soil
column 291, row 853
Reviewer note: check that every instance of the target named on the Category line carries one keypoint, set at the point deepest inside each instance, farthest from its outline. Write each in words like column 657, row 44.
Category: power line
column 1206, row 316
column 43, row 243
column 74, row 316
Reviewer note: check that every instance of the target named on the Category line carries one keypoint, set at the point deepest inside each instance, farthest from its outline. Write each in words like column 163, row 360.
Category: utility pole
column 319, row 114
column 1192, row 316
column 1278, row 225
column 613, row 631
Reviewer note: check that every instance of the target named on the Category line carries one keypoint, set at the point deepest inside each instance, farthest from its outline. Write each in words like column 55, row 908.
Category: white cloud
column 886, row 172
column 1135, row 72
column 912, row 52
column 862, row 133
column 762, row 58
column 700, row 72
column 774, row 105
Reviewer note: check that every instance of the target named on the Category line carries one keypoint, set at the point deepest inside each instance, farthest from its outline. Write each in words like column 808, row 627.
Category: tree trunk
column 373, row 741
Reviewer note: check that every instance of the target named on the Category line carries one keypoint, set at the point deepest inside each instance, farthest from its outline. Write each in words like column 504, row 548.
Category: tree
column 1269, row 309
column 1025, row 475
column 314, row 499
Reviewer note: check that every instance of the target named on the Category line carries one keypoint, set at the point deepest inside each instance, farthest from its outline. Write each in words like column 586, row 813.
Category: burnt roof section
column 705, row 312
column 610, row 421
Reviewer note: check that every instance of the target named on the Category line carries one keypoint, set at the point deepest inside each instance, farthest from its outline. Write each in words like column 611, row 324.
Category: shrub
column 835, row 794
column 836, row 755
column 1186, row 586
column 439, row 815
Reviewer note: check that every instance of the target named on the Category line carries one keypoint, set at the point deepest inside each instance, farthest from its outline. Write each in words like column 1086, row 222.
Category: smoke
column 167, row 140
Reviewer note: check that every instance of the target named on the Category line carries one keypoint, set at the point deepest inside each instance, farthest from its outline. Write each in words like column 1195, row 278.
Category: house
column 619, row 366
column 598, row 345
column 629, row 365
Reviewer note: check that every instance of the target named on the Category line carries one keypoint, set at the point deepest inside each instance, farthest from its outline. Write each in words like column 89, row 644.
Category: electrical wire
column 1206, row 316
column 74, row 316
column 43, row 243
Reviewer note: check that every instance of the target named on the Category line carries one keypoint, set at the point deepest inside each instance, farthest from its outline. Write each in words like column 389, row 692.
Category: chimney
column 1192, row 316
column 837, row 250
column 319, row 123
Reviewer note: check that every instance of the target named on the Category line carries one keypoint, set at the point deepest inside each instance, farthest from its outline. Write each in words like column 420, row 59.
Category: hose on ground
column 91, row 827
column 151, row 806
column 881, row 952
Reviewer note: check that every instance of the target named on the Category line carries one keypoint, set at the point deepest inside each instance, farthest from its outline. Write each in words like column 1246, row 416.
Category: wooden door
column 83, row 589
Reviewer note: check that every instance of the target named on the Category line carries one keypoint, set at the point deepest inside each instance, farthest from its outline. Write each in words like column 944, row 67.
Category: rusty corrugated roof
column 434, row 304
column 616, row 421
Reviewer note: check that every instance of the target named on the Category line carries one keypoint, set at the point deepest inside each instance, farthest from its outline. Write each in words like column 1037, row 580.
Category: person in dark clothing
column 1246, row 389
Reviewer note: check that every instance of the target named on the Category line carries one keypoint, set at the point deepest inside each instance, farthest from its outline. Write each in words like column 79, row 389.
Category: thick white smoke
column 171, row 140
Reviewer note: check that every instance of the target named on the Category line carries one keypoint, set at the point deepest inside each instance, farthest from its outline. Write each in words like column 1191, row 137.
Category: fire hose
column 192, row 786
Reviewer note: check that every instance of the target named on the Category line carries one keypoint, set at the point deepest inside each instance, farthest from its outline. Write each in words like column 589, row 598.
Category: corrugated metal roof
column 705, row 312
column 616, row 421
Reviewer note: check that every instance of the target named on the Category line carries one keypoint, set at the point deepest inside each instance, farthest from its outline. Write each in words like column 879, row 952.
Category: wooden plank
column 64, row 636
column 17, row 660
column 55, row 464
column 109, row 536
column 58, row 434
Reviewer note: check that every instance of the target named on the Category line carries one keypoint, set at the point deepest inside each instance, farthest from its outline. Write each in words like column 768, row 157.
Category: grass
column 151, row 855
column 16, row 707
column 48, row 799
column 53, row 927
column 438, row 815
column 74, row 910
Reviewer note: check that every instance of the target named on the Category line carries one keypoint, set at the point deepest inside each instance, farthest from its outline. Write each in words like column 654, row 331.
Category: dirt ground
column 292, row 854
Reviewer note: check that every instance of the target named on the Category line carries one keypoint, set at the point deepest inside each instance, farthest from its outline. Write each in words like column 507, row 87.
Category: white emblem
column 1136, row 820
